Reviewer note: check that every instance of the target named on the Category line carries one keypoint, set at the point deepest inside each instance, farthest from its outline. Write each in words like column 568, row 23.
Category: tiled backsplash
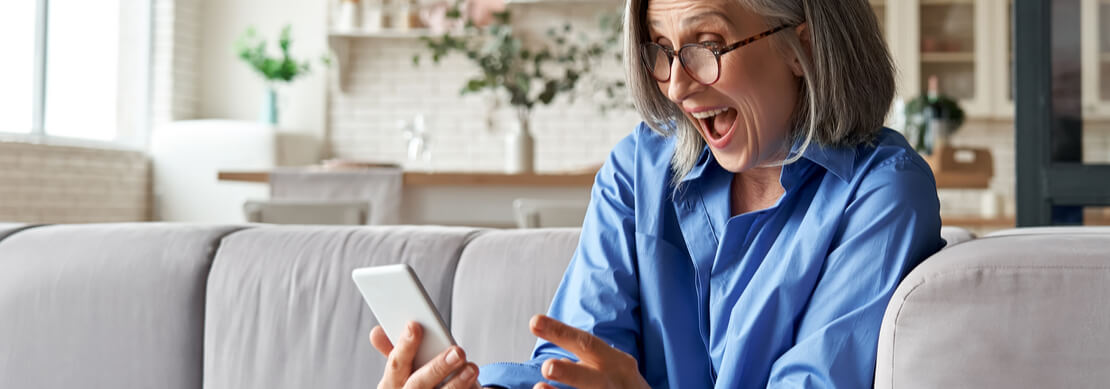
column 384, row 88
column 62, row 184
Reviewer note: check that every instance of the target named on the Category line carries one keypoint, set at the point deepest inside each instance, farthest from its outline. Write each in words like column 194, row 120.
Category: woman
column 751, row 233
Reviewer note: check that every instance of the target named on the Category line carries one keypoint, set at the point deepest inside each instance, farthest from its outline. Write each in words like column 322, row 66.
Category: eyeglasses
column 702, row 61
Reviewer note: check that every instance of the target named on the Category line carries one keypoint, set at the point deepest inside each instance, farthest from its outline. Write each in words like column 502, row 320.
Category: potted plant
column 527, row 76
column 932, row 118
column 283, row 69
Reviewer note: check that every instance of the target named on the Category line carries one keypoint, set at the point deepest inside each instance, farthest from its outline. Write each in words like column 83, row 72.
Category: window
column 81, row 69
column 17, row 72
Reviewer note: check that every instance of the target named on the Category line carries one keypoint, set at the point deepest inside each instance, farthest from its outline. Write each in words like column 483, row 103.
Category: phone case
column 396, row 297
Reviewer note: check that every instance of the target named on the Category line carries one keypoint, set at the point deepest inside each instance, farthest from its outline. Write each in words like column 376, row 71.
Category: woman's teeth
column 709, row 114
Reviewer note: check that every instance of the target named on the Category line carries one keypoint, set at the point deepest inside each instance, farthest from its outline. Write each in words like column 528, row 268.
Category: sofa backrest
column 282, row 311
column 505, row 277
column 7, row 229
column 1015, row 310
column 104, row 306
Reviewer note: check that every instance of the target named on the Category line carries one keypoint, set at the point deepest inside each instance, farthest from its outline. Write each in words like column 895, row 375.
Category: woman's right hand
column 398, row 367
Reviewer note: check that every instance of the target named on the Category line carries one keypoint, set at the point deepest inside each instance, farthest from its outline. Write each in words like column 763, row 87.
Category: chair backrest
column 537, row 213
column 304, row 212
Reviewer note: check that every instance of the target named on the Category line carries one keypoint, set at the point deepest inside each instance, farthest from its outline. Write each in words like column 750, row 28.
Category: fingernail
column 538, row 323
column 551, row 370
column 408, row 331
column 467, row 373
column 452, row 357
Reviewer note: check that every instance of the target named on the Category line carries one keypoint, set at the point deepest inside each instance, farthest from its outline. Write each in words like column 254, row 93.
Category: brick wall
column 174, row 72
column 62, row 184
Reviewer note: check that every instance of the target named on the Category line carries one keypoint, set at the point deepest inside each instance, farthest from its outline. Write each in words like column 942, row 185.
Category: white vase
column 519, row 149
column 349, row 17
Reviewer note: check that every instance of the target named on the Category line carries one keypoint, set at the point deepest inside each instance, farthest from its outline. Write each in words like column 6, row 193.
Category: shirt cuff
column 514, row 375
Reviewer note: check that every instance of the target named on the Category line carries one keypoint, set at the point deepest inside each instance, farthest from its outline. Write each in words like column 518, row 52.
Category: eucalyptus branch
column 530, row 76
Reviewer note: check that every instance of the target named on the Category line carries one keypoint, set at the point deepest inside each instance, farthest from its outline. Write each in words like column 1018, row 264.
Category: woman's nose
column 681, row 85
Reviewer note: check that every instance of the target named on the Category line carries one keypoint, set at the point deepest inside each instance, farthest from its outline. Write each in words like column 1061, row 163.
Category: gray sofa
column 151, row 305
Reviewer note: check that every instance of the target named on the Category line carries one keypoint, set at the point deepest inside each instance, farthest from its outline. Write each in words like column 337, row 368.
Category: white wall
column 229, row 89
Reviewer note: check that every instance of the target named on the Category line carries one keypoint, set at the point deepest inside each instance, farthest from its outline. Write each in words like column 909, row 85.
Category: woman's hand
column 398, row 367
column 599, row 366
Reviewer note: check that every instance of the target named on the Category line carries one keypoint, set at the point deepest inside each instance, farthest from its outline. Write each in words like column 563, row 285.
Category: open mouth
column 717, row 123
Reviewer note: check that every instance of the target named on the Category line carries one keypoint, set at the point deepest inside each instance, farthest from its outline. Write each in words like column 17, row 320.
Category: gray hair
column 849, row 80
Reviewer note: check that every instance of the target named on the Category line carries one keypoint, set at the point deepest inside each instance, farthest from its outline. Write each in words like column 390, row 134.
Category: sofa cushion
column 104, row 306
column 283, row 312
column 504, row 278
column 1014, row 311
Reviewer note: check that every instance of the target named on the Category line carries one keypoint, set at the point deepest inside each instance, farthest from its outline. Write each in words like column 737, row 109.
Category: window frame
column 129, row 138
column 1043, row 183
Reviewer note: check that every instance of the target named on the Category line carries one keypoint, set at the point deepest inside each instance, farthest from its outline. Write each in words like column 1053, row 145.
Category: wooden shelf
column 978, row 222
column 558, row 2
column 962, row 181
column 944, row 180
column 411, row 33
column 945, row 2
column 948, row 57
column 584, row 179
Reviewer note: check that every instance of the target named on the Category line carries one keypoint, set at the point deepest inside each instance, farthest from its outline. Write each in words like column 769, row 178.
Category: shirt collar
column 840, row 161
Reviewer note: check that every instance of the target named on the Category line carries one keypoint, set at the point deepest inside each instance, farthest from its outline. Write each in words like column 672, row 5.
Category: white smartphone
column 396, row 297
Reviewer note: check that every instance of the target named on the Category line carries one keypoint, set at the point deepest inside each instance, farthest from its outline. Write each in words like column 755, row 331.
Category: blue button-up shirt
column 789, row 296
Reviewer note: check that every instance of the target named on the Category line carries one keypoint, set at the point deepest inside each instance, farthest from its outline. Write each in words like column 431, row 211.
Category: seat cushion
column 104, row 306
column 283, row 312
column 1014, row 311
column 504, row 278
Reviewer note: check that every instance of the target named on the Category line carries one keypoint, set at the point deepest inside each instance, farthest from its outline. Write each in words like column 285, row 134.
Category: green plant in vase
column 932, row 118
column 275, row 70
column 529, row 76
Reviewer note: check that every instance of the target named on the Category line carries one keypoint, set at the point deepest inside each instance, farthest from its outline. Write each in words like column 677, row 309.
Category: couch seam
column 218, row 245
column 467, row 239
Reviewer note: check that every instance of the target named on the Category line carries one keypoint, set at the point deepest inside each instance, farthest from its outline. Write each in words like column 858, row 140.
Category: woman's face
column 754, row 98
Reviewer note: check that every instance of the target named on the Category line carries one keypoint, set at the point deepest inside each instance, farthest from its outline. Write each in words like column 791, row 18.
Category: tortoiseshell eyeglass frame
column 645, row 54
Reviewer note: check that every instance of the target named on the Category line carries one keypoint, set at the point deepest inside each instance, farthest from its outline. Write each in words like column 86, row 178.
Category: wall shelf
column 340, row 43
column 948, row 57
column 946, row 2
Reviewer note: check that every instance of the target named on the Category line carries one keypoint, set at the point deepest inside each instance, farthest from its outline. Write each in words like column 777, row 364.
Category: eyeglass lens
column 699, row 62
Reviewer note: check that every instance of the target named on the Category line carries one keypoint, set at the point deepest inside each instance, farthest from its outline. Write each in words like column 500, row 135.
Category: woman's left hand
column 599, row 366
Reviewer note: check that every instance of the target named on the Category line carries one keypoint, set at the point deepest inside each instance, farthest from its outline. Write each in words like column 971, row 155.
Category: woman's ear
column 806, row 40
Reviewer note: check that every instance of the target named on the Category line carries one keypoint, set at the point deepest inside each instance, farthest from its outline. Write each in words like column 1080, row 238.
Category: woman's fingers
column 464, row 378
column 434, row 372
column 399, row 365
column 587, row 347
column 573, row 374
column 380, row 340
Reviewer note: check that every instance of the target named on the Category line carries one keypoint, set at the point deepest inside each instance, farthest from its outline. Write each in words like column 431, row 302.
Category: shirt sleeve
column 599, row 292
column 892, row 224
